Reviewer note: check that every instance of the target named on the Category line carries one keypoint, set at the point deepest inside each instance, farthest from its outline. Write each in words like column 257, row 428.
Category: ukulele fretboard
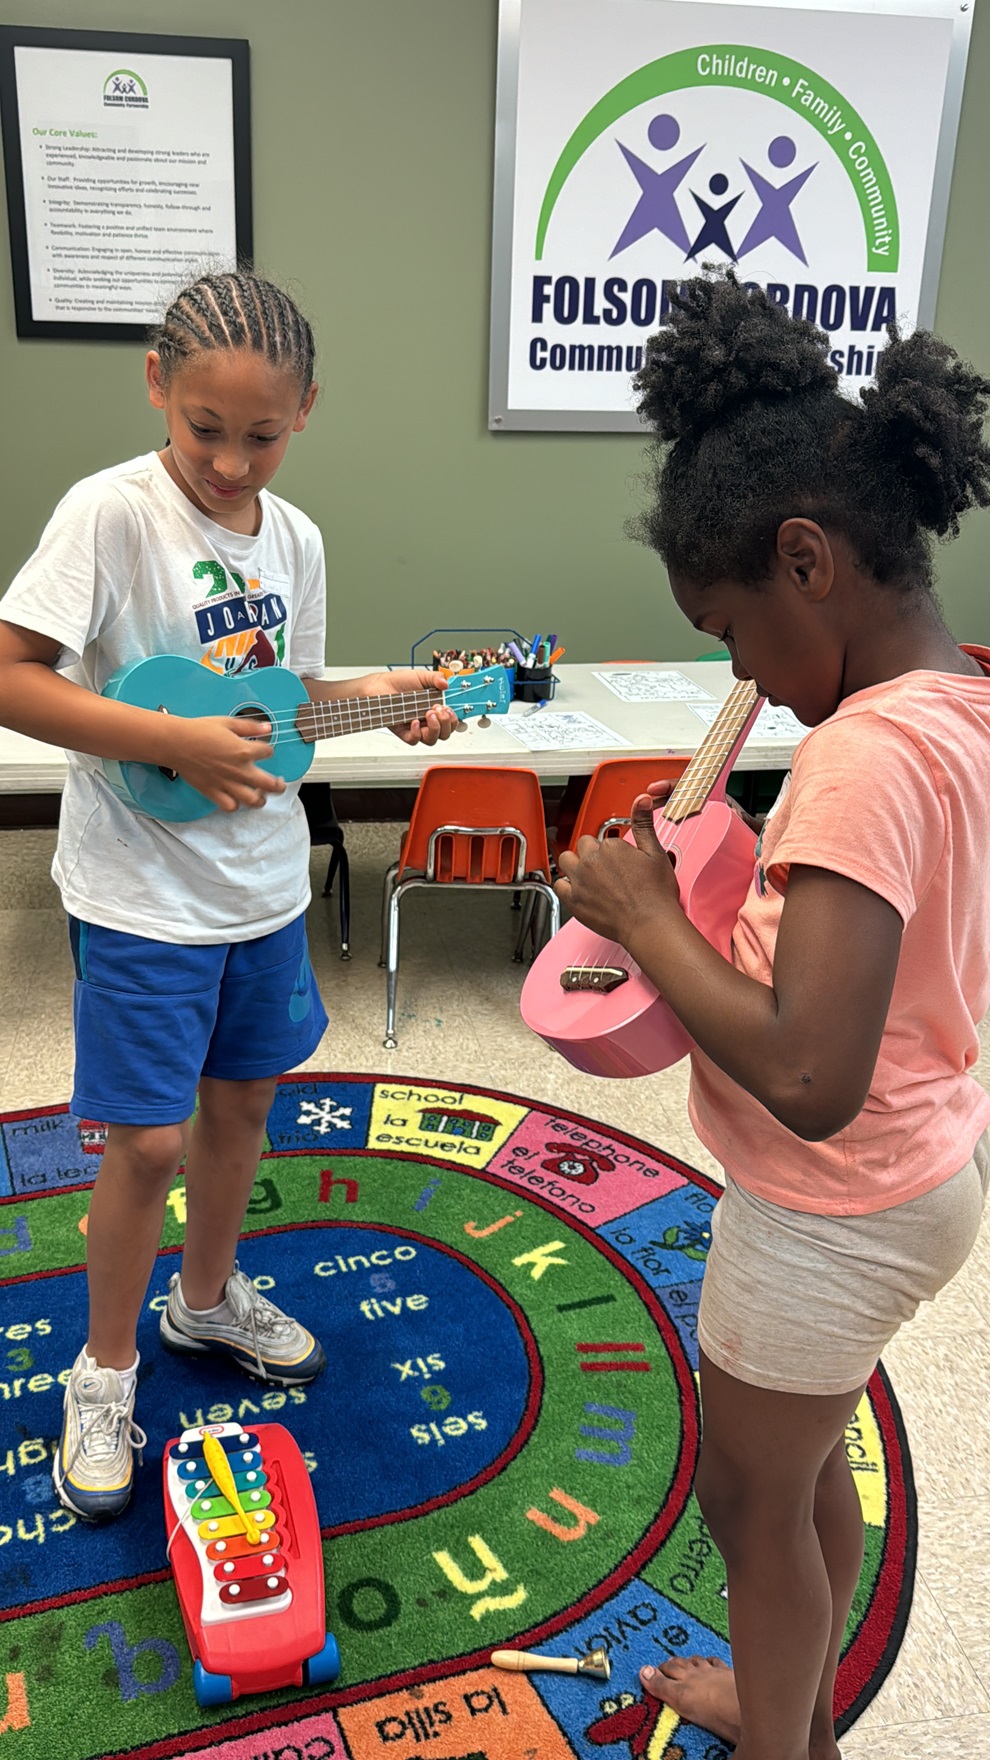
column 361, row 714
column 705, row 768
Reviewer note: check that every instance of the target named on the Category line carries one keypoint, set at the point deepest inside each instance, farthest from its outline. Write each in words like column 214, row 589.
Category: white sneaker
column 93, row 1471
column 246, row 1326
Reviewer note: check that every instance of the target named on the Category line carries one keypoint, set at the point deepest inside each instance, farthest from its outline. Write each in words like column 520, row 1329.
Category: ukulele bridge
column 601, row 979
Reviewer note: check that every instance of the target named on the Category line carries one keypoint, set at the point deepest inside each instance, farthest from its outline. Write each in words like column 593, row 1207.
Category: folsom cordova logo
column 124, row 89
column 701, row 202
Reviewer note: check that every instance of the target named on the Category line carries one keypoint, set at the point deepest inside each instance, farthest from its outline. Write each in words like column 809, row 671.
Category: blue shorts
column 152, row 1017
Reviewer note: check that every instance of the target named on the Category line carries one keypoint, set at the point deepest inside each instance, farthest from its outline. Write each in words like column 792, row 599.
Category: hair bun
column 924, row 418
column 724, row 345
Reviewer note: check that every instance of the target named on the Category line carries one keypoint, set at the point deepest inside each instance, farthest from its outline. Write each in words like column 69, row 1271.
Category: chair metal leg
column 339, row 861
column 332, row 866
column 392, row 969
column 388, row 888
column 345, row 905
column 537, row 891
column 554, row 903
column 525, row 923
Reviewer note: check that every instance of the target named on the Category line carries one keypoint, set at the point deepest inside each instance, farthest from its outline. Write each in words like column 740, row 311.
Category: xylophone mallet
column 596, row 1663
column 223, row 1478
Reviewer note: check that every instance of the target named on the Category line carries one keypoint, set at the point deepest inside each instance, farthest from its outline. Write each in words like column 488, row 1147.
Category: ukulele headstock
column 484, row 693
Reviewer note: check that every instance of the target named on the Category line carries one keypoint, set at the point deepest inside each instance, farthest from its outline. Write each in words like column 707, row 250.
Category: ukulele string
column 409, row 704
column 703, row 773
column 619, row 959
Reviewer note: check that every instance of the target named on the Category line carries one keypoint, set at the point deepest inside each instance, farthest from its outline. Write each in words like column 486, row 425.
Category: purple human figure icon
column 775, row 219
column 657, row 210
column 714, row 233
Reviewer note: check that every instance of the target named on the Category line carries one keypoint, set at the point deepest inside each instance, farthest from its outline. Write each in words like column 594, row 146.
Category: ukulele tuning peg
column 484, row 721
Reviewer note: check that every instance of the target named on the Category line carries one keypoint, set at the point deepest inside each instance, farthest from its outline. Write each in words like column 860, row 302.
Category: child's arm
column 210, row 752
column 805, row 1048
column 437, row 724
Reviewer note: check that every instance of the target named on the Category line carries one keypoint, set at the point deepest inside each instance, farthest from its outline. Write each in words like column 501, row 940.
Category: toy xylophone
column 244, row 1541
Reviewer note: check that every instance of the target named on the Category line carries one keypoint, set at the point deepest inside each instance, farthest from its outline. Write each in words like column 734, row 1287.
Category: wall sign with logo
column 809, row 145
column 128, row 168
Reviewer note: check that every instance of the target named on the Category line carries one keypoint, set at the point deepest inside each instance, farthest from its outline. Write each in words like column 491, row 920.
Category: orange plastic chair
column 604, row 809
column 472, row 825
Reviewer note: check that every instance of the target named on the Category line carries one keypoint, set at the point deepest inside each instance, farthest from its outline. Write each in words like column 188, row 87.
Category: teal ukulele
column 175, row 686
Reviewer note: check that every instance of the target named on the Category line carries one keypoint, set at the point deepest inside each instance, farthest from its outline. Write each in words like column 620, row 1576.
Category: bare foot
column 701, row 1689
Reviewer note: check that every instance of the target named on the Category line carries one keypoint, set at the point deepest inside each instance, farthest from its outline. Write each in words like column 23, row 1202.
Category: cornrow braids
column 236, row 310
column 751, row 428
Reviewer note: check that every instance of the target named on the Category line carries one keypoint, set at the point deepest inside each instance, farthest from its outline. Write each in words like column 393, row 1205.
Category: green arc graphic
column 789, row 82
column 129, row 71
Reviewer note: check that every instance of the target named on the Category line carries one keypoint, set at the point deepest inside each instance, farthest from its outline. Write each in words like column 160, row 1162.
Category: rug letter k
column 540, row 1258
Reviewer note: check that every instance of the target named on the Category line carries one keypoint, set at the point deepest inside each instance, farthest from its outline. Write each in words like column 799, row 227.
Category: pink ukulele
column 584, row 995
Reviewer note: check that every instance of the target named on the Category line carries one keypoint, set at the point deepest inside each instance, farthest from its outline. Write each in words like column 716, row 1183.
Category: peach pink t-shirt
column 893, row 791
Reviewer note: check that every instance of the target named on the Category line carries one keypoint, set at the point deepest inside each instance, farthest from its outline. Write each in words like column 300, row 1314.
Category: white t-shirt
column 127, row 567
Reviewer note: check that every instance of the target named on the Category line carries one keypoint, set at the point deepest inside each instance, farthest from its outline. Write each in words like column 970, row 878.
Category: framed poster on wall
column 637, row 141
column 128, row 172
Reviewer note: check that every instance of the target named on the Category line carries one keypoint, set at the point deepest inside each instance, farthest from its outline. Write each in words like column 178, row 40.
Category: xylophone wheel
column 324, row 1666
column 211, row 1689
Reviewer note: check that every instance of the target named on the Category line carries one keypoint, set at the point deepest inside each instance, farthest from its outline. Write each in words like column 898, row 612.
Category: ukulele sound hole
column 258, row 712
column 163, row 769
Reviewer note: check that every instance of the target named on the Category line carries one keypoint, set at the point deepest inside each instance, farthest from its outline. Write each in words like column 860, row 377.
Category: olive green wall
column 373, row 125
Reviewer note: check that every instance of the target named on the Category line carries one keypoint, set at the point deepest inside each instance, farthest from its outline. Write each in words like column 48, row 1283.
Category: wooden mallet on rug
column 596, row 1663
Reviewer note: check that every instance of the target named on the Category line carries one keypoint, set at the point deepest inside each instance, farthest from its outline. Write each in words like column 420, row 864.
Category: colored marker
column 556, row 655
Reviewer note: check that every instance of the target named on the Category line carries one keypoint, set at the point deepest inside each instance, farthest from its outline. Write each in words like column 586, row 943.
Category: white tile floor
column 459, row 1019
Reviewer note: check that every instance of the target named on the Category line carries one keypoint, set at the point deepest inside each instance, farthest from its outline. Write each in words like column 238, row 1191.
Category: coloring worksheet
column 653, row 687
column 550, row 731
column 771, row 723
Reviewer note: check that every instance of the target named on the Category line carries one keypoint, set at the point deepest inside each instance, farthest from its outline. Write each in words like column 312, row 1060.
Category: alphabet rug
column 501, row 1446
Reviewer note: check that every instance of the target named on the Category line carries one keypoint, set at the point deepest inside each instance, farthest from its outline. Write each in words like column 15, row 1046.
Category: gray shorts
column 806, row 1304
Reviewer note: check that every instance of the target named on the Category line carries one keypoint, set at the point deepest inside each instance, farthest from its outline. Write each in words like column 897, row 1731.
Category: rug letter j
column 16, row 1715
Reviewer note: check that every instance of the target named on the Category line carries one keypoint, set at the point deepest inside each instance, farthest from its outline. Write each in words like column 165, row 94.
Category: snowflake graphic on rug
column 324, row 1115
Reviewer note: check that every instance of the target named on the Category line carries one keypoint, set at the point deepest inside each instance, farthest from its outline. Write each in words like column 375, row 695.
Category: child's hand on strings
column 613, row 885
column 218, row 754
column 437, row 723
column 661, row 790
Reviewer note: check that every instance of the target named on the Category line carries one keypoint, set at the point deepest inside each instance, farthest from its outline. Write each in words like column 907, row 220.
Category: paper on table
column 645, row 686
column 773, row 721
column 552, row 729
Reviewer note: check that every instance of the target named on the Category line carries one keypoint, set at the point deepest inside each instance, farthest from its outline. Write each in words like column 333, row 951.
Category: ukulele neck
column 337, row 715
column 706, row 775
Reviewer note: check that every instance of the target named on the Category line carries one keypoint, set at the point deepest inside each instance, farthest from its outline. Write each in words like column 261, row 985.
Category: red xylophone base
column 254, row 1613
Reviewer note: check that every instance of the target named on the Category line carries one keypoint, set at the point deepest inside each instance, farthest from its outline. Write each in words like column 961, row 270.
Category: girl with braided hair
column 193, row 980
column 831, row 1071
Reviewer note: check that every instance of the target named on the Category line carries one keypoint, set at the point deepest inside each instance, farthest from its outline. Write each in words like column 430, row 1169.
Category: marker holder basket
column 530, row 684
column 534, row 684
column 502, row 637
